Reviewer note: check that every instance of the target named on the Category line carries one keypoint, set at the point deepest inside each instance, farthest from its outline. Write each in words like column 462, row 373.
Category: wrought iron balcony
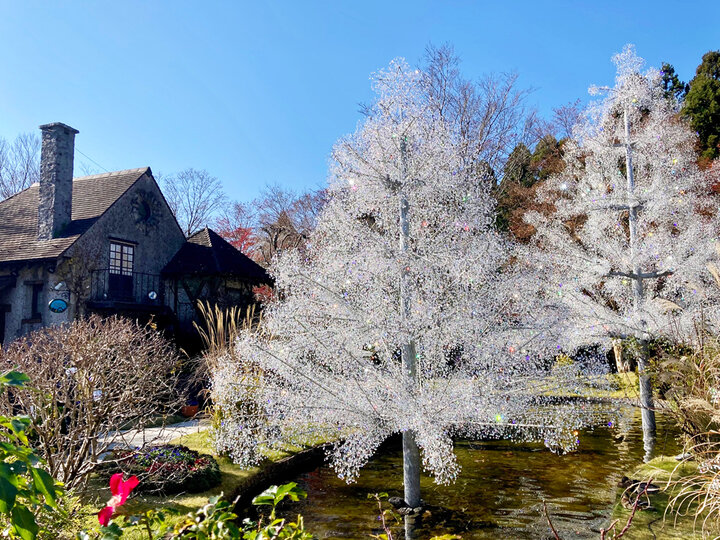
column 138, row 288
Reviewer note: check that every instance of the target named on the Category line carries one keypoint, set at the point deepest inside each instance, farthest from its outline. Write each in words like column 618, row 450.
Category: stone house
column 95, row 244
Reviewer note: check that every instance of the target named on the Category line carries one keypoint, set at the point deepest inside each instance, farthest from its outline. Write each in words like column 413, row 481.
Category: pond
column 498, row 494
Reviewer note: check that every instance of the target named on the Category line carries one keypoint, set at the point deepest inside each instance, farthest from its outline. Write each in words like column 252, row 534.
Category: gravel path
column 158, row 435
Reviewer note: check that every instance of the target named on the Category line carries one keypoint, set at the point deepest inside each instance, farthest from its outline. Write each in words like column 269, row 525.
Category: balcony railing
column 135, row 288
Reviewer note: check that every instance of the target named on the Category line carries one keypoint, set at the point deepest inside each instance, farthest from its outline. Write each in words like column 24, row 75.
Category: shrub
column 167, row 468
column 91, row 378
column 28, row 494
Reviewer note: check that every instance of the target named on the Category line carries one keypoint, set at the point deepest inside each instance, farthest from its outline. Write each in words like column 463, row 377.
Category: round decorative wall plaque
column 58, row 305
column 145, row 210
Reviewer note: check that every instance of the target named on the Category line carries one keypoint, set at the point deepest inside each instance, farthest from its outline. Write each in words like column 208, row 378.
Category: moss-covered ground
column 662, row 521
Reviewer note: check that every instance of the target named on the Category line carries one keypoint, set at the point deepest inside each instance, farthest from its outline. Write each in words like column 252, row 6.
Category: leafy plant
column 26, row 489
column 214, row 521
column 385, row 515
column 277, row 527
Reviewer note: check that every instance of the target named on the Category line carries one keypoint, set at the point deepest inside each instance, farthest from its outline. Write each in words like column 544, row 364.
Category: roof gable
column 207, row 253
column 91, row 197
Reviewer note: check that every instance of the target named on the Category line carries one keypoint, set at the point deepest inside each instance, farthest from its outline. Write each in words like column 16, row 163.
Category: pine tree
column 632, row 229
column 702, row 104
column 403, row 316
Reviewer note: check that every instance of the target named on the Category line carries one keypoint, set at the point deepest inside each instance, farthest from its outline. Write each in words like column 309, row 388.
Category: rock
column 685, row 456
column 645, row 486
column 636, row 486
column 628, row 502
column 397, row 502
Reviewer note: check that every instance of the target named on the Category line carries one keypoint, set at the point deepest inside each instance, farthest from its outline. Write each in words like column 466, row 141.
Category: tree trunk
column 411, row 470
column 647, row 409
column 646, row 400
column 411, row 453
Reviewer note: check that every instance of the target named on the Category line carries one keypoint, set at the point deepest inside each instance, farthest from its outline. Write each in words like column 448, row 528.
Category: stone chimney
column 56, row 173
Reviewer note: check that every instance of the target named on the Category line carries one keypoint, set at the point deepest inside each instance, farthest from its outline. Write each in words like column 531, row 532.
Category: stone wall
column 139, row 217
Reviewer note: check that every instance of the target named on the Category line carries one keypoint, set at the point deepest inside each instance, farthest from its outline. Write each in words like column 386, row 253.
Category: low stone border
column 278, row 472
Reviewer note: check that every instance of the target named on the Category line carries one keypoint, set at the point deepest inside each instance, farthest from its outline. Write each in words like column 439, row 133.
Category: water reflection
column 499, row 493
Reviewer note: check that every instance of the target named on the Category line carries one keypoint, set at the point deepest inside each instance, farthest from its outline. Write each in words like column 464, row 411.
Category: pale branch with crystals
column 633, row 227
column 405, row 313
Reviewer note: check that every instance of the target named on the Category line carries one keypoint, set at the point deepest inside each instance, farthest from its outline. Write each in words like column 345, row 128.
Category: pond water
column 498, row 494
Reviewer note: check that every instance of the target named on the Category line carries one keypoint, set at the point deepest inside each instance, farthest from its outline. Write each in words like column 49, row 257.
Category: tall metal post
column 646, row 397
column 411, row 453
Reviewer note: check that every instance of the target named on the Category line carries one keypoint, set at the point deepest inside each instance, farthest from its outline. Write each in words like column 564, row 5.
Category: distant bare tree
column 564, row 119
column 86, row 168
column 278, row 219
column 284, row 219
column 194, row 197
column 19, row 164
column 490, row 115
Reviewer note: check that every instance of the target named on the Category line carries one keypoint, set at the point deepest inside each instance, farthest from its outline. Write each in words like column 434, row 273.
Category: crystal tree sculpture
column 632, row 228
column 402, row 316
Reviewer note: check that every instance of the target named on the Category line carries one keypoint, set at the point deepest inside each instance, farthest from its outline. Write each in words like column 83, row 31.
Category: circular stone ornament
column 145, row 210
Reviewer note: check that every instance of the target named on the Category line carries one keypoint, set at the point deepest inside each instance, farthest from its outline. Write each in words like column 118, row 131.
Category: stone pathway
column 158, row 435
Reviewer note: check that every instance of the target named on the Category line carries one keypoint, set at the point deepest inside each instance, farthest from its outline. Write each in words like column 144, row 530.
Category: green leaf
column 111, row 532
column 267, row 497
column 45, row 484
column 8, row 492
column 289, row 490
column 13, row 378
column 23, row 521
column 12, row 471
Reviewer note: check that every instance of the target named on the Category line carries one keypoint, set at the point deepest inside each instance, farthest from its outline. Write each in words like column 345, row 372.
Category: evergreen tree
column 702, row 104
column 673, row 86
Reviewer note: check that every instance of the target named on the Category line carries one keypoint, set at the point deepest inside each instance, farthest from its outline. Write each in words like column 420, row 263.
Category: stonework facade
column 98, row 243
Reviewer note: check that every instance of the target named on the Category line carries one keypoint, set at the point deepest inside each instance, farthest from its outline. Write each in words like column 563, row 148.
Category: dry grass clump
column 692, row 391
column 698, row 494
column 691, row 384
column 219, row 331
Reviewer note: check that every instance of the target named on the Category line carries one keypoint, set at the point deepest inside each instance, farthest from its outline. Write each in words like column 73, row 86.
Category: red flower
column 120, row 490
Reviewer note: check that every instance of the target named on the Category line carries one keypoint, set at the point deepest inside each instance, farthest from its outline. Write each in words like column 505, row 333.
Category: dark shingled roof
column 91, row 197
column 207, row 253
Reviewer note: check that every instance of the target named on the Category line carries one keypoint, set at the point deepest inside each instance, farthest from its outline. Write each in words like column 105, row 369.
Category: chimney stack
column 56, row 174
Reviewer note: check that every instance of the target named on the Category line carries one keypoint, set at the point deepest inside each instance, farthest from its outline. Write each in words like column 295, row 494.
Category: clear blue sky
column 257, row 92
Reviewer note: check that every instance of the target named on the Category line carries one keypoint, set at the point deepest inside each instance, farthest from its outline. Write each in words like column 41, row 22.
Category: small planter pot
column 188, row 411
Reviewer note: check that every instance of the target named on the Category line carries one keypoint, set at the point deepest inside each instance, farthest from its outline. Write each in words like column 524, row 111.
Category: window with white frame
column 122, row 258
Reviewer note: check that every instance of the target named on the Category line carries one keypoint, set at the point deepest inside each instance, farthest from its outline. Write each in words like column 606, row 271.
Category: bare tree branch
column 194, row 197
column 19, row 164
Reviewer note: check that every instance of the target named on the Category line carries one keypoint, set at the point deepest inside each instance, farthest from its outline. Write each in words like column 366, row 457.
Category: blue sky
column 257, row 92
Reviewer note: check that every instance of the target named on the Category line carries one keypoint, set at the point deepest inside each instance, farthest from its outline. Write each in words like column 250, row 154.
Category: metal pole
column 411, row 453
column 646, row 397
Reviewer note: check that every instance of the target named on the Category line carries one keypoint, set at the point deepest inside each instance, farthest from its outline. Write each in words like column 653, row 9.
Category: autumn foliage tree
column 236, row 226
